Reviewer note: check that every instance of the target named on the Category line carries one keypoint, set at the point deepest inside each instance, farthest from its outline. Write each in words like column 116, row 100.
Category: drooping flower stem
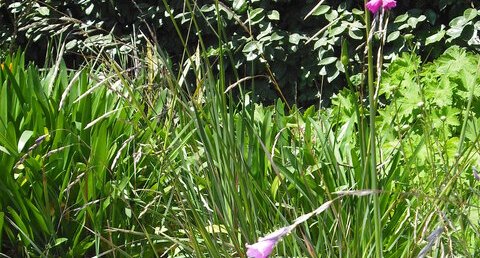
column 373, row 170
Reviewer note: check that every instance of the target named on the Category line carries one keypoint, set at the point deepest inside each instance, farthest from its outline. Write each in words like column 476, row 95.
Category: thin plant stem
column 373, row 170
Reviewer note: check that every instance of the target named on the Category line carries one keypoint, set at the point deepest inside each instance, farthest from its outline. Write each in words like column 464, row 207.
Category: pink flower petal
column 277, row 234
column 265, row 245
column 261, row 249
column 389, row 4
column 374, row 5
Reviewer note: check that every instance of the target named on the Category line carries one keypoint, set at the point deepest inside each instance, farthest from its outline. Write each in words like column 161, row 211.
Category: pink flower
column 374, row 5
column 264, row 247
column 261, row 249
column 389, row 4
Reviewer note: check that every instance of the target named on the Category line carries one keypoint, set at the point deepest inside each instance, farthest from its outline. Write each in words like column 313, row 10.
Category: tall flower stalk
column 373, row 159
column 374, row 6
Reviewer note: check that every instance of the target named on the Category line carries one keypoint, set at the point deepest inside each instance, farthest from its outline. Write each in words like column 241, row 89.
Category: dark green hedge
column 275, row 37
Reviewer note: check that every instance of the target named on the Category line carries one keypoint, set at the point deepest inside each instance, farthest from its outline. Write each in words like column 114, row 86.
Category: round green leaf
column 401, row 18
column 393, row 36
column 331, row 16
column 337, row 30
column 44, row 11
column 357, row 11
column 273, row 15
column 458, row 21
column 435, row 37
column 295, row 38
column 71, row 44
column 249, row 47
column 470, row 14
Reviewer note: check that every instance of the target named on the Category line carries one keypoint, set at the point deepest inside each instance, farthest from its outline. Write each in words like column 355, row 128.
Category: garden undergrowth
column 112, row 161
column 89, row 169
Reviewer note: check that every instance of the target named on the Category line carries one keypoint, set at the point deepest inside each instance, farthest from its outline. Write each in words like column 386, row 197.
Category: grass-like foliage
column 116, row 161
column 90, row 167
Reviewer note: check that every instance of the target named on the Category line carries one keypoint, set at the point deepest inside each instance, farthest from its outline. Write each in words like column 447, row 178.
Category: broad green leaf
column 128, row 212
column 273, row 15
column 89, row 9
column 355, row 33
column 321, row 10
column 472, row 131
column 26, row 135
column 319, row 4
column 333, row 75
column 38, row 217
column 393, row 36
column 256, row 15
column 14, row 5
column 71, row 44
column 440, row 92
column 3, row 149
column 470, row 14
column 275, row 36
column 60, row 241
column 474, row 213
column 337, row 30
column 15, row 85
column 205, row 8
column 24, row 231
column 459, row 21
column 435, row 37
column 401, row 18
column 295, row 38
column 357, row 11
column 332, row 15
column 274, row 188
column 250, row 47
column 327, row 60
column 238, row 5
column 44, row 11
column 451, row 147
column 413, row 21
column 8, row 140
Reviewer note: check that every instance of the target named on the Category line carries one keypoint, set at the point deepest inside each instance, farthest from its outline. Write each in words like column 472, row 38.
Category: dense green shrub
column 294, row 42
